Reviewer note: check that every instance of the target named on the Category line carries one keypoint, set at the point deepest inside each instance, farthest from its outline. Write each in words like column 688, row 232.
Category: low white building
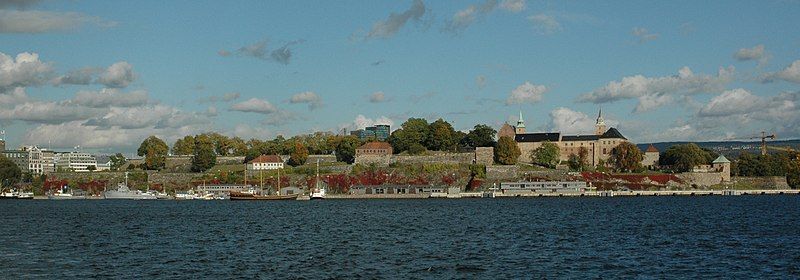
column 75, row 161
column 265, row 162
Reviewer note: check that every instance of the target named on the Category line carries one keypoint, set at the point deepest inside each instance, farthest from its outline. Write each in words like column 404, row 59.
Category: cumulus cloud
column 377, row 97
column 14, row 96
column 254, row 105
column 731, row 102
column 110, row 97
column 568, row 121
column 81, row 76
column 227, row 97
column 118, row 75
column 745, row 54
column 526, row 93
column 312, row 99
column 24, row 70
column 651, row 91
column 12, row 21
column 739, row 112
column 464, row 18
column 47, row 112
column 545, row 24
column 74, row 133
column 790, row 74
column 514, row 6
column 390, row 26
column 643, row 35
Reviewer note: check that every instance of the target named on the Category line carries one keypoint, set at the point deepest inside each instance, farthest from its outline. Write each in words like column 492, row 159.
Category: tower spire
column 520, row 129
column 600, row 126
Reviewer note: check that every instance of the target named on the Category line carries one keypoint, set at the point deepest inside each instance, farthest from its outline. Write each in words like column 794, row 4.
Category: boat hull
column 127, row 195
column 247, row 196
column 56, row 197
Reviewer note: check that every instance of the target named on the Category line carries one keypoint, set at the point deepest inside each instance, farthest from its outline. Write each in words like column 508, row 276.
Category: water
column 642, row 237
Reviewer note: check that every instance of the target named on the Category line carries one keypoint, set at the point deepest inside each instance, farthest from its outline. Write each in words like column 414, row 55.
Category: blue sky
column 105, row 74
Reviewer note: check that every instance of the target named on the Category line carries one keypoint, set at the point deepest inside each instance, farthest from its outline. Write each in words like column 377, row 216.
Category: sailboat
column 261, row 196
column 318, row 192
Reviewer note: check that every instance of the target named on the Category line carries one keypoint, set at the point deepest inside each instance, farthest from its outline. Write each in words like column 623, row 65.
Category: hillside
column 729, row 147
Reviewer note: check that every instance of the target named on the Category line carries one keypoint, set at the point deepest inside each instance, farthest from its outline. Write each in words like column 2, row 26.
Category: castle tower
column 600, row 126
column 520, row 128
column 723, row 166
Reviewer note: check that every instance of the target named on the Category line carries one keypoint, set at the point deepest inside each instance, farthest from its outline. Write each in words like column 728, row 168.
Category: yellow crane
column 764, row 138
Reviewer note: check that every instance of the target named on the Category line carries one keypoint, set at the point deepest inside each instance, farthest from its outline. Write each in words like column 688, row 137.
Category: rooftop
column 267, row 159
column 721, row 159
column 375, row 146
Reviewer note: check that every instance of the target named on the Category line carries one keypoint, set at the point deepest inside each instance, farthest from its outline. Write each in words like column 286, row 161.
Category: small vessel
column 66, row 193
column 318, row 192
column 253, row 195
column 187, row 195
column 15, row 194
column 123, row 192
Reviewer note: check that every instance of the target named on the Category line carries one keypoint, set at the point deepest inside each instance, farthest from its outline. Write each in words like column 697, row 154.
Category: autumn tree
column 548, row 155
column 299, row 155
column 183, row 146
column 480, row 136
column 441, row 136
column 154, row 151
column 626, row 157
column 507, row 152
column 683, row 158
column 117, row 161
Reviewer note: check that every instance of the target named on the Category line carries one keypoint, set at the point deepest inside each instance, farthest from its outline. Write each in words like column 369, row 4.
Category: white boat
column 186, row 195
column 65, row 193
column 15, row 194
column 318, row 192
column 123, row 192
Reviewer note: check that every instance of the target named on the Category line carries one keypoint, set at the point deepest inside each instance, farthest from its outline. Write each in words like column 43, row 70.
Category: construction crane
column 764, row 137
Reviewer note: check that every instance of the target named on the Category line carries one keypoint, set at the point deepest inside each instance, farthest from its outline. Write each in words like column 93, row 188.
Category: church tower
column 520, row 128
column 600, row 126
column 2, row 140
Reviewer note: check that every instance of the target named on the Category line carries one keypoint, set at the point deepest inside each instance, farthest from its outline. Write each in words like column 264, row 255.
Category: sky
column 104, row 75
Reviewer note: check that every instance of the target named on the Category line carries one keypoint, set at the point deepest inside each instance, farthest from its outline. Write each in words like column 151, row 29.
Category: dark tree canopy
column 548, row 155
column 183, row 146
column 10, row 173
column 205, row 156
column 441, row 137
column 626, row 157
column 480, row 136
column 299, row 155
column 346, row 149
column 684, row 157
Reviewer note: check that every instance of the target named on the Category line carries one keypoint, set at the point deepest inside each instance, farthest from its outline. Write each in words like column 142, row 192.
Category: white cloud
column 312, row 99
column 254, row 105
column 47, row 112
column 514, row 6
column 377, row 97
column 360, row 122
column 81, row 76
column 118, row 75
column 744, row 54
column 650, row 91
column 390, row 26
column 25, row 70
column 12, row 21
column 110, row 97
column 568, row 121
column 790, row 74
column 14, row 96
column 526, row 93
column 282, row 55
column 74, row 133
column 545, row 24
column 731, row 102
column 464, row 18
column 643, row 34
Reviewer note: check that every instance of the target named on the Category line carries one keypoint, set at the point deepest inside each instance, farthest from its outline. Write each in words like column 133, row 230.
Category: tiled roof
column 651, row 149
column 721, row 159
column 375, row 146
column 267, row 159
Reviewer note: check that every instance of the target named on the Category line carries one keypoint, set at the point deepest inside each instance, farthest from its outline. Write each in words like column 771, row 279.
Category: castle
column 598, row 145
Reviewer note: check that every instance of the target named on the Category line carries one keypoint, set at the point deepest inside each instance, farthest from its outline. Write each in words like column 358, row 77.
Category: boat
column 66, row 193
column 15, row 194
column 318, row 192
column 254, row 195
column 123, row 192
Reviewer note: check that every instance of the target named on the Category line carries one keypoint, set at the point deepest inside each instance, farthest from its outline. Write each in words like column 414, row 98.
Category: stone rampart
column 453, row 158
column 494, row 172
column 771, row 182
column 701, row 179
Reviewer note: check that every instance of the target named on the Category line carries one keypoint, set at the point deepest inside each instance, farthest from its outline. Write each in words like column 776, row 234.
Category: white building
column 75, row 161
column 265, row 162
column 40, row 161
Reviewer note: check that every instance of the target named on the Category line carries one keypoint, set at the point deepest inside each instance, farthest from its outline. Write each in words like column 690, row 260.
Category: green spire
column 520, row 122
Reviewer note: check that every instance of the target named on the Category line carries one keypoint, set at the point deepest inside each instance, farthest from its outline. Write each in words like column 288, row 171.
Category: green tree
column 441, row 137
column 574, row 163
column 183, row 146
column 205, row 156
column 685, row 157
column 626, row 157
column 548, row 155
column 414, row 130
column 238, row 146
column 346, row 149
column 481, row 136
column 299, row 155
column 10, row 173
column 117, row 161
column 91, row 168
column 416, row 149
column 154, row 151
column 507, row 152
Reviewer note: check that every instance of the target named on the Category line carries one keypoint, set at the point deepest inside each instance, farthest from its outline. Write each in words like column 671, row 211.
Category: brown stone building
column 374, row 153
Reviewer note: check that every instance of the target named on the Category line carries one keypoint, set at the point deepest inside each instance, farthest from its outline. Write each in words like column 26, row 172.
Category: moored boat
column 123, row 192
column 66, row 193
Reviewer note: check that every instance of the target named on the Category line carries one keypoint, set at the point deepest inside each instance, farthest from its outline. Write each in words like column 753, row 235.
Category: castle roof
column 267, row 159
column 721, row 159
column 651, row 149
column 375, row 146
column 537, row 137
column 613, row 133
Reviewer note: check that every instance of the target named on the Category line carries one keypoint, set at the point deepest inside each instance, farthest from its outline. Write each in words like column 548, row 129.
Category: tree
column 626, row 157
column 205, row 156
column 346, row 149
column 10, row 173
column 238, row 146
column 91, row 168
column 299, row 155
column 154, row 151
column 684, row 158
column 183, row 146
column 117, row 161
column 414, row 130
column 481, row 136
column 416, row 149
column 507, row 152
column 583, row 157
column 441, row 136
column 574, row 163
column 548, row 155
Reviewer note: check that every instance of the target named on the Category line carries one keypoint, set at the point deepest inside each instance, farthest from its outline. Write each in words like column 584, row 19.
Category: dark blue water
column 645, row 237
